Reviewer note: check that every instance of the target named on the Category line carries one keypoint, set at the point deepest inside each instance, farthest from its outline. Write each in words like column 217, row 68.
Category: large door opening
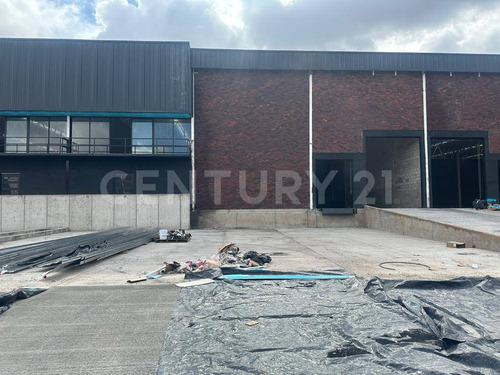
column 394, row 167
column 335, row 177
column 457, row 167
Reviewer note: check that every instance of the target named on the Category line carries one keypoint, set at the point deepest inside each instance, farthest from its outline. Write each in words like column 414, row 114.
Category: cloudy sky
column 364, row 25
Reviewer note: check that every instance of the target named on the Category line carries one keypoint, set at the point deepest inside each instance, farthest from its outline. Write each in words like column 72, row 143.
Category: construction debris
column 195, row 283
column 257, row 259
column 72, row 251
column 178, row 235
column 383, row 265
column 228, row 254
column 137, row 279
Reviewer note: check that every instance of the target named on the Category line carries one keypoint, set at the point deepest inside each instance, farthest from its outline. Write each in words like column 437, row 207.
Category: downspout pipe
column 426, row 144
column 311, row 203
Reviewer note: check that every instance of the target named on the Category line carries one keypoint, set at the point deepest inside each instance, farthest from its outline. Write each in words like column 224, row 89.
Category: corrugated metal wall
column 310, row 60
column 65, row 75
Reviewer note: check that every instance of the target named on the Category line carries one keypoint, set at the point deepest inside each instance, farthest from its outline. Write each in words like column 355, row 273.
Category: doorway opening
column 335, row 177
column 394, row 165
column 457, row 166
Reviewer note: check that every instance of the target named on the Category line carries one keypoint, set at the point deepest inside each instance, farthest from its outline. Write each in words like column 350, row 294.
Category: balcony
column 98, row 146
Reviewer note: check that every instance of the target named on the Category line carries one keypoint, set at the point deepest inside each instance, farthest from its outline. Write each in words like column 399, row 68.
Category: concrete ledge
column 394, row 222
column 22, row 234
column 269, row 218
column 94, row 212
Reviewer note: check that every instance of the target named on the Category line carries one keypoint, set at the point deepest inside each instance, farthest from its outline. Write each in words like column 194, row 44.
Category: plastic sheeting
column 335, row 326
column 8, row 298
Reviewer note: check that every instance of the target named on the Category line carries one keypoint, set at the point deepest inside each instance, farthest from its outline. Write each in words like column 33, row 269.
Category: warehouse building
column 248, row 129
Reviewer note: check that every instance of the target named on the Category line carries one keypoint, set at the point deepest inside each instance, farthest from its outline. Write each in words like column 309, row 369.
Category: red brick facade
column 253, row 121
column 347, row 103
column 465, row 102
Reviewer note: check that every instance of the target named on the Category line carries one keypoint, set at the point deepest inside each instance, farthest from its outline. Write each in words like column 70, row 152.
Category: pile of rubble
column 228, row 256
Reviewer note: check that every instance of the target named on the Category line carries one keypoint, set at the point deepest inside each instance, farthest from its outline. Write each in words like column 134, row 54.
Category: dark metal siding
column 379, row 61
column 115, row 76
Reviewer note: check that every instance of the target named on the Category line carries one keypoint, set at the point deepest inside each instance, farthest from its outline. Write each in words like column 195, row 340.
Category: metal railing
column 93, row 146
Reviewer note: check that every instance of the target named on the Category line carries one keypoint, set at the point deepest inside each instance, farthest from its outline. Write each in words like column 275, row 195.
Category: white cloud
column 44, row 18
column 389, row 25
column 472, row 30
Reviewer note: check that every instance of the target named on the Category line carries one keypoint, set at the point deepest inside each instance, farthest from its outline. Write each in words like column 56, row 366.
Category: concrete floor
column 91, row 321
column 87, row 330
column 480, row 220
column 356, row 250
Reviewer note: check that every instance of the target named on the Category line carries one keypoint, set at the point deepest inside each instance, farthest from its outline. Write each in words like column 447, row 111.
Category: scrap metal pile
column 72, row 251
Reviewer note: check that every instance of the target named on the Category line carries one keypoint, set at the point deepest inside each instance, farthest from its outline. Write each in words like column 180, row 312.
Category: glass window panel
column 182, row 137
column 99, row 134
column 57, row 132
column 142, row 137
column 80, row 135
column 39, row 134
column 163, row 136
column 16, row 134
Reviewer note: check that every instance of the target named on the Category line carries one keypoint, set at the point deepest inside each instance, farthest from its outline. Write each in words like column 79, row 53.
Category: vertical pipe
column 426, row 144
column 479, row 170
column 193, row 173
column 459, row 180
column 311, row 203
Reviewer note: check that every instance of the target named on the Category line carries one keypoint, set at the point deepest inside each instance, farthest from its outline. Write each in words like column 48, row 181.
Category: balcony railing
column 97, row 146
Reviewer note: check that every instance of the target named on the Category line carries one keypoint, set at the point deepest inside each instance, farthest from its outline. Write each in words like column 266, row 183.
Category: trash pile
column 228, row 256
column 72, row 251
column 177, row 235
column 486, row 204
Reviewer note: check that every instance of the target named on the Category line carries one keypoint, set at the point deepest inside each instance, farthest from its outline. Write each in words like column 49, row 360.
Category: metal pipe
column 193, row 171
column 426, row 144
column 311, row 203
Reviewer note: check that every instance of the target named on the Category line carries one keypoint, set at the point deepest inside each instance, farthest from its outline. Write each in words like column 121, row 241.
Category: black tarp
column 8, row 298
column 335, row 326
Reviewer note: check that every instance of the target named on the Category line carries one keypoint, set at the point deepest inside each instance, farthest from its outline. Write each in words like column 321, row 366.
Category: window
column 90, row 135
column 36, row 134
column 142, row 137
column 16, row 135
column 182, row 137
column 161, row 136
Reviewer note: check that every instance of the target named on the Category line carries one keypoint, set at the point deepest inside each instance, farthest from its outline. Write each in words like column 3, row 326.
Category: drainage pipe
column 426, row 144
column 311, row 204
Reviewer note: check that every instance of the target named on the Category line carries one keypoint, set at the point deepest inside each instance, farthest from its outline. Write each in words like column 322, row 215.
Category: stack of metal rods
column 76, row 250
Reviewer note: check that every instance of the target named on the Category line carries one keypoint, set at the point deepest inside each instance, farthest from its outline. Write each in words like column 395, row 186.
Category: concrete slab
column 58, row 211
column 478, row 228
column 103, row 212
column 185, row 209
column 125, row 211
column 169, row 212
column 357, row 250
column 80, row 212
column 35, row 209
column 87, row 330
column 12, row 213
column 147, row 211
column 483, row 221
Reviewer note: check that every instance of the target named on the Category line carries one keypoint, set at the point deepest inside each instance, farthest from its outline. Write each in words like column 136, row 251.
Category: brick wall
column 253, row 121
column 347, row 103
column 465, row 102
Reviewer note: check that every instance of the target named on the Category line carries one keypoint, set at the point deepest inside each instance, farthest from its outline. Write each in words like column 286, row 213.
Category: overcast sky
column 364, row 25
